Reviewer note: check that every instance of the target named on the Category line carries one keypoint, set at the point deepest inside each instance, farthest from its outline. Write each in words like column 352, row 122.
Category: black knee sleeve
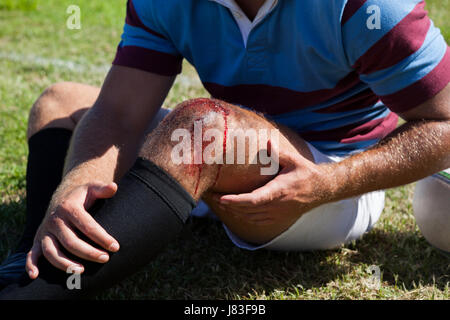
column 147, row 212
column 47, row 150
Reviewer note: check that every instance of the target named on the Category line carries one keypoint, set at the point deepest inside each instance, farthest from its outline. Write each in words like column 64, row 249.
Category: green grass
column 23, row 5
column 202, row 263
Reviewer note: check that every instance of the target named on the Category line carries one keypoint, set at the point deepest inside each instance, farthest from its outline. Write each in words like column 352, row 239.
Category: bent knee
column 209, row 135
column 189, row 116
column 184, row 117
column 60, row 105
column 210, row 111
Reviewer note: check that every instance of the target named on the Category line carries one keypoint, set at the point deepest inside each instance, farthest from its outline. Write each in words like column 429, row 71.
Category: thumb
column 100, row 191
column 284, row 158
column 104, row 191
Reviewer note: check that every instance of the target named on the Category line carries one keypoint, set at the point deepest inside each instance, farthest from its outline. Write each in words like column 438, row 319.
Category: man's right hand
column 59, row 228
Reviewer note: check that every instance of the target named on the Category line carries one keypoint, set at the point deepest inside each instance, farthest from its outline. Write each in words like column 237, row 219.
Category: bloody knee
column 201, row 142
column 180, row 142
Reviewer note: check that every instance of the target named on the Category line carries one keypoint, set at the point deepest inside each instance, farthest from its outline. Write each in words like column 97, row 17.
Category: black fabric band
column 164, row 185
column 47, row 150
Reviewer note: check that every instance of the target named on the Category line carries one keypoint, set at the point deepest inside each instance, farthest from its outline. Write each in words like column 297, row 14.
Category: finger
column 32, row 260
column 75, row 245
column 53, row 254
column 255, row 217
column 104, row 191
column 100, row 191
column 215, row 196
column 84, row 222
column 261, row 196
column 245, row 209
column 285, row 158
column 259, row 219
column 262, row 222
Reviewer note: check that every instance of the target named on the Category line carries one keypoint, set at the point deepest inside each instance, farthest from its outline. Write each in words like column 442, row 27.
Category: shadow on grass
column 204, row 264
column 404, row 258
column 12, row 220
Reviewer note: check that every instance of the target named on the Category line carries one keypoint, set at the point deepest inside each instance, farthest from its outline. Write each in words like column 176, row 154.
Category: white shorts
column 325, row 227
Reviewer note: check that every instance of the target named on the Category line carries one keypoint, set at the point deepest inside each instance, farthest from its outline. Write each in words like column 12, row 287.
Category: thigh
column 61, row 105
column 79, row 98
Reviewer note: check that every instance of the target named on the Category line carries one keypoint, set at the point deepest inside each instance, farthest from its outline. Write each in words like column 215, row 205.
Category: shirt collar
column 245, row 25
column 263, row 11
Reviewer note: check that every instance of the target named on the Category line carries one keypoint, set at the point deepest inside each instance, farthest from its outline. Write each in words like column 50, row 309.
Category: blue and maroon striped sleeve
column 143, row 46
column 404, row 58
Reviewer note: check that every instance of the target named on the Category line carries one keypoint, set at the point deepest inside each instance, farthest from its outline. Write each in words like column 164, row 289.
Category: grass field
column 36, row 50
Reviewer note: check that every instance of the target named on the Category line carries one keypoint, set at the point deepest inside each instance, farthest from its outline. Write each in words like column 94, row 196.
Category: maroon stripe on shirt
column 276, row 100
column 351, row 8
column 361, row 100
column 399, row 43
column 148, row 60
column 422, row 90
column 133, row 19
column 375, row 129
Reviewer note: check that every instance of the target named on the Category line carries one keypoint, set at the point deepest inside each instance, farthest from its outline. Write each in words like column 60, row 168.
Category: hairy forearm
column 413, row 151
column 101, row 150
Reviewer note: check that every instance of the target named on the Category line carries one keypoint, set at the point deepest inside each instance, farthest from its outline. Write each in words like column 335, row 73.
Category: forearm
column 99, row 151
column 412, row 152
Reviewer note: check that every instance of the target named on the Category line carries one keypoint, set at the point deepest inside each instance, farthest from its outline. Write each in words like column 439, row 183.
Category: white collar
column 244, row 23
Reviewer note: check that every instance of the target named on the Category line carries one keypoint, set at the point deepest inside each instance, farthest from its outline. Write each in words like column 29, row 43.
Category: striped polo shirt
column 335, row 71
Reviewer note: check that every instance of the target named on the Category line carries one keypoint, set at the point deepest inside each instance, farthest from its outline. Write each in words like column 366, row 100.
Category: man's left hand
column 300, row 186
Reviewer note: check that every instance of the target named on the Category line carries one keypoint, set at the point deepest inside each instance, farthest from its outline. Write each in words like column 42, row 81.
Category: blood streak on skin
column 205, row 106
column 225, row 132
column 200, row 165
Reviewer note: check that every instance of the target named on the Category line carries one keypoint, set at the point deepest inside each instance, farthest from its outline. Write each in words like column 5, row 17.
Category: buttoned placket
column 243, row 22
column 256, row 48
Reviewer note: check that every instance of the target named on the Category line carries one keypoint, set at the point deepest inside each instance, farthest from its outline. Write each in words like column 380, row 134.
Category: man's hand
column 299, row 187
column 62, row 222
column 99, row 151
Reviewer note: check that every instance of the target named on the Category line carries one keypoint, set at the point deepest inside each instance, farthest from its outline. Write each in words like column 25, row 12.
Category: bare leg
column 61, row 106
column 200, row 179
